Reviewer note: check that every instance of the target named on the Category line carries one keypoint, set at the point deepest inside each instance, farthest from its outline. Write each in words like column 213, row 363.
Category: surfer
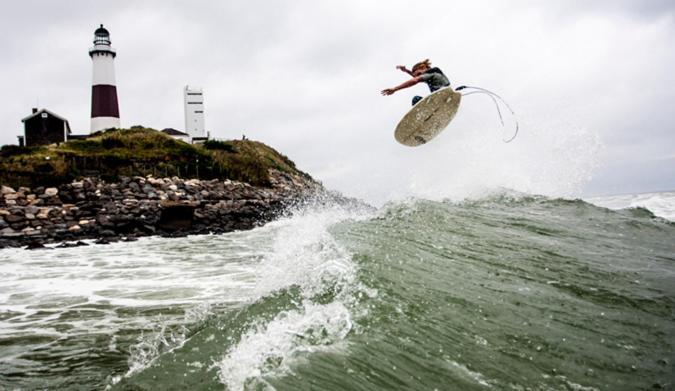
column 421, row 72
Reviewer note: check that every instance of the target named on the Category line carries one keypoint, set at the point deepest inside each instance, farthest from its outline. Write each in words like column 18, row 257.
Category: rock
column 142, row 206
column 51, row 191
column 13, row 218
column 66, row 245
column 134, row 187
column 32, row 210
column 104, row 221
column 149, row 229
column 79, row 243
column 6, row 190
column 176, row 216
column 37, row 246
column 43, row 213
column 29, row 231
column 8, row 232
column 107, row 232
column 37, row 202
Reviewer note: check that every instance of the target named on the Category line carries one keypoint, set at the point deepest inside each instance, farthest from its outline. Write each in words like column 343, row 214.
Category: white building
column 194, row 113
column 105, row 112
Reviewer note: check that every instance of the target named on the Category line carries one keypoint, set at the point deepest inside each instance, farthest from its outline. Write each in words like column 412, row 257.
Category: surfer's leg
column 416, row 99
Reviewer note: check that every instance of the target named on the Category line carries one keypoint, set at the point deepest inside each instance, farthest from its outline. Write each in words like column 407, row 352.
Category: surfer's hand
column 402, row 68
column 388, row 91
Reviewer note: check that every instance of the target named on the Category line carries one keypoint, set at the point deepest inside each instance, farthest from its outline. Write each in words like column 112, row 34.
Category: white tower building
column 194, row 112
column 105, row 112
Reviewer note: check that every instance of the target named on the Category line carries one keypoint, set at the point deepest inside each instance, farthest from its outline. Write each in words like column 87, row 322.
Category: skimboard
column 428, row 117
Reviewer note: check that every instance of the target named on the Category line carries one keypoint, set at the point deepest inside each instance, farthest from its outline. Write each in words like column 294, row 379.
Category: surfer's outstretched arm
column 404, row 69
column 406, row 84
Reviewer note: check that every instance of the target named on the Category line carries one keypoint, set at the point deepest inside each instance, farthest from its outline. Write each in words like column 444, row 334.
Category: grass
column 140, row 151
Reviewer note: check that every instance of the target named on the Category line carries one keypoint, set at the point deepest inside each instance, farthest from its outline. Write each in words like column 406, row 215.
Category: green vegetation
column 140, row 151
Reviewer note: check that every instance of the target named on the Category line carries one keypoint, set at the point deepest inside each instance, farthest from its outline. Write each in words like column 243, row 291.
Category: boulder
column 134, row 187
column 14, row 218
column 176, row 216
column 51, row 191
column 9, row 232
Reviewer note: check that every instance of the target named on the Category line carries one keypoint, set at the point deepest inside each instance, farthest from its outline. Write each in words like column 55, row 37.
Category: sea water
column 507, row 291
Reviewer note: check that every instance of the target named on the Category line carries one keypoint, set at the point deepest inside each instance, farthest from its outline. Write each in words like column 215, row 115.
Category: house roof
column 174, row 132
column 50, row 113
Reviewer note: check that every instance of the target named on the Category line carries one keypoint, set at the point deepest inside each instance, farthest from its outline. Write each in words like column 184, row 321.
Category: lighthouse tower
column 105, row 112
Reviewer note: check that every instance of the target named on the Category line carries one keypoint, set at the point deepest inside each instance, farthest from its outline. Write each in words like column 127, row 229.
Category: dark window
column 195, row 103
column 199, row 111
column 194, row 93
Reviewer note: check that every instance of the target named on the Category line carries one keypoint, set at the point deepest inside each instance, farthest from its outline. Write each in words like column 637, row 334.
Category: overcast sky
column 591, row 84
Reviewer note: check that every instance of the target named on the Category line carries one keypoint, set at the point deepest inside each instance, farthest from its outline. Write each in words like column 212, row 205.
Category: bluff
column 141, row 152
column 121, row 184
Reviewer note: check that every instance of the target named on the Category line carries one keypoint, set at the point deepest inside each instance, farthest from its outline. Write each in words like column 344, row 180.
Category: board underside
column 428, row 118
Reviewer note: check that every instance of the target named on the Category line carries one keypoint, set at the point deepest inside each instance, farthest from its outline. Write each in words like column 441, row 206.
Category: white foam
column 305, row 255
column 661, row 204
column 269, row 350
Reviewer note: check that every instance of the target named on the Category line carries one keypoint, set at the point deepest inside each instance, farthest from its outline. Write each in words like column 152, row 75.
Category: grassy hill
column 140, row 151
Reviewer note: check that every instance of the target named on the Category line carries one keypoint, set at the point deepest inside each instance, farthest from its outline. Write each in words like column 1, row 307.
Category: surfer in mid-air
column 421, row 72
column 430, row 115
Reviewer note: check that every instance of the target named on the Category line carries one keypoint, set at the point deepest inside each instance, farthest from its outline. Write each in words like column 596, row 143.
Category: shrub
column 112, row 142
column 13, row 150
column 86, row 145
column 218, row 145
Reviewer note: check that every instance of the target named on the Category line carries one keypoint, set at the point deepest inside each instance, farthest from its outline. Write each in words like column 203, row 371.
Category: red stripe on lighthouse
column 104, row 101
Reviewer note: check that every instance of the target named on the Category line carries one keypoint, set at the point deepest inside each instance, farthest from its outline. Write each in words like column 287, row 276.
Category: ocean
column 507, row 291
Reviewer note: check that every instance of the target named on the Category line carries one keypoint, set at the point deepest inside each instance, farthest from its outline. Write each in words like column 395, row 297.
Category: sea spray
column 468, row 159
column 306, row 256
column 270, row 349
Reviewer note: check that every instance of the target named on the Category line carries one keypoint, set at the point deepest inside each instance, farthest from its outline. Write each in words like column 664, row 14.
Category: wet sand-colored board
column 428, row 117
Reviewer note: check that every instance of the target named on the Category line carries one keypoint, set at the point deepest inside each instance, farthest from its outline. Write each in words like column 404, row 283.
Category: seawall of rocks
column 140, row 206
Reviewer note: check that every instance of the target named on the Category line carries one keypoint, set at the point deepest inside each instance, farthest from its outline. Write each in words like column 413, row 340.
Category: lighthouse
column 105, row 111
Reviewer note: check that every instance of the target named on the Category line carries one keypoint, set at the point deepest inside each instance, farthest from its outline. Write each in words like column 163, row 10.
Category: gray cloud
column 305, row 77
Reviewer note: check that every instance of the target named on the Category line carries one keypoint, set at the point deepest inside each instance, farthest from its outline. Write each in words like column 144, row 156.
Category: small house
column 44, row 127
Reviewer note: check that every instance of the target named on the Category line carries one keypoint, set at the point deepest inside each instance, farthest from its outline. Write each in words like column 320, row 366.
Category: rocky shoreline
column 142, row 206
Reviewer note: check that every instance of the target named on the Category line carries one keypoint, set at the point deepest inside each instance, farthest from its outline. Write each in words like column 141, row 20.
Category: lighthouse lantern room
column 104, row 107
